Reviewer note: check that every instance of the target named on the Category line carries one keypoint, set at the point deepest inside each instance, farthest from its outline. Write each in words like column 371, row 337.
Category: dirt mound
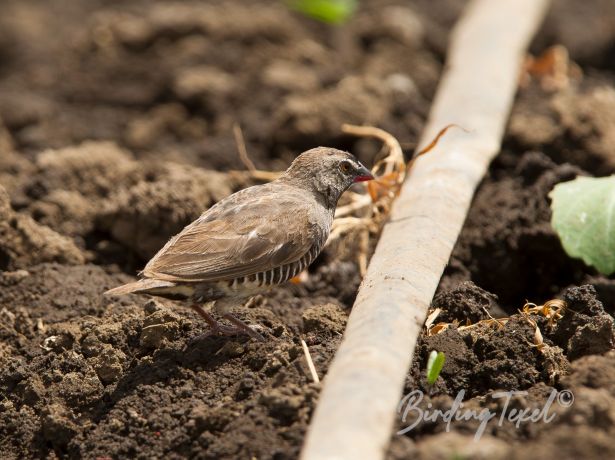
column 507, row 235
column 572, row 125
column 23, row 242
column 145, row 216
column 490, row 356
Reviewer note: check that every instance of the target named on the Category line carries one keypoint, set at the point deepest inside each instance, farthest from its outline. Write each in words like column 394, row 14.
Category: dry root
column 553, row 69
column 553, row 311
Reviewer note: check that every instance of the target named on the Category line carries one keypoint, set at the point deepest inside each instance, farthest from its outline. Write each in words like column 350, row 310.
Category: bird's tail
column 141, row 286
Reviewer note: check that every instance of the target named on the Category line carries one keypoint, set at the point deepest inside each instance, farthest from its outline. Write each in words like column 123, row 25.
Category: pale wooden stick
column 356, row 409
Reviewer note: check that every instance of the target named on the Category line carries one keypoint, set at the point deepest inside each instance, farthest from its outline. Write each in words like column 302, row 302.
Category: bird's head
column 326, row 170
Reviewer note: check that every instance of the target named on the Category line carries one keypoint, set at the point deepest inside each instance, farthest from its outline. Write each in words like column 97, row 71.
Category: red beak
column 363, row 174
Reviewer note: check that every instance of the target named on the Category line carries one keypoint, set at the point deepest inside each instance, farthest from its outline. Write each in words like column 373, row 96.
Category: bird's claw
column 238, row 327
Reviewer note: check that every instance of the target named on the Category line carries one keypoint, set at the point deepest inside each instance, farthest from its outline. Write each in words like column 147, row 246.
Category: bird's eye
column 345, row 167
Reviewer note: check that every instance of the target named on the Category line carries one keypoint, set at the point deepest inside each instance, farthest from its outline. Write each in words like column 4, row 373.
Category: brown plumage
column 256, row 238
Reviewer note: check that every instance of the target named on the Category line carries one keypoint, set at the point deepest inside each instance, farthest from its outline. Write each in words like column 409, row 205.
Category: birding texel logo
column 414, row 411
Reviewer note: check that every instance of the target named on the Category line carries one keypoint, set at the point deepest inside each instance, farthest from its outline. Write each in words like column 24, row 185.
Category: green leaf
column 435, row 362
column 331, row 11
column 584, row 219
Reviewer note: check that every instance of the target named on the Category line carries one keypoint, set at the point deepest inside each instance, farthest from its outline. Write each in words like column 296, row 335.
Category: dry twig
column 252, row 172
column 310, row 363
column 241, row 148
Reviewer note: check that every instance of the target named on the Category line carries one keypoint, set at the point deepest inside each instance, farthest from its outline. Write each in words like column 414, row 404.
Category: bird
column 252, row 240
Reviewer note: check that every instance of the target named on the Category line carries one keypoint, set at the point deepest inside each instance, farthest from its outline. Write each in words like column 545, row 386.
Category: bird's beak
column 363, row 174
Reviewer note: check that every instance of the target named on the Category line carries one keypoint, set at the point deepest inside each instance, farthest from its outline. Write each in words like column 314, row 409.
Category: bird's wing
column 236, row 238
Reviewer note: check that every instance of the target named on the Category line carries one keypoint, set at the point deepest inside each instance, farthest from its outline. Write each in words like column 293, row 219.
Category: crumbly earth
column 116, row 130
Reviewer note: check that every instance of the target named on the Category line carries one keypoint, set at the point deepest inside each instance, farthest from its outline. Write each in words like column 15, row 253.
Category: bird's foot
column 216, row 328
column 243, row 328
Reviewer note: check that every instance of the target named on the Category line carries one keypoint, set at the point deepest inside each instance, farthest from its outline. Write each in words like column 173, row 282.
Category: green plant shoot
column 583, row 216
column 331, row 11
column 435, row 362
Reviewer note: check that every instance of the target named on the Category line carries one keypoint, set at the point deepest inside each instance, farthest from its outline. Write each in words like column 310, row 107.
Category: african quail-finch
column 256, row 238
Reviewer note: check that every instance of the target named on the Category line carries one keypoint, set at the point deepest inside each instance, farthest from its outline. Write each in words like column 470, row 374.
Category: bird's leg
column 209, row 319
column 222, row 329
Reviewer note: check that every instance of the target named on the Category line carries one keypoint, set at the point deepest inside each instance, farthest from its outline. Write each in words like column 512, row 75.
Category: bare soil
column 116, row 130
